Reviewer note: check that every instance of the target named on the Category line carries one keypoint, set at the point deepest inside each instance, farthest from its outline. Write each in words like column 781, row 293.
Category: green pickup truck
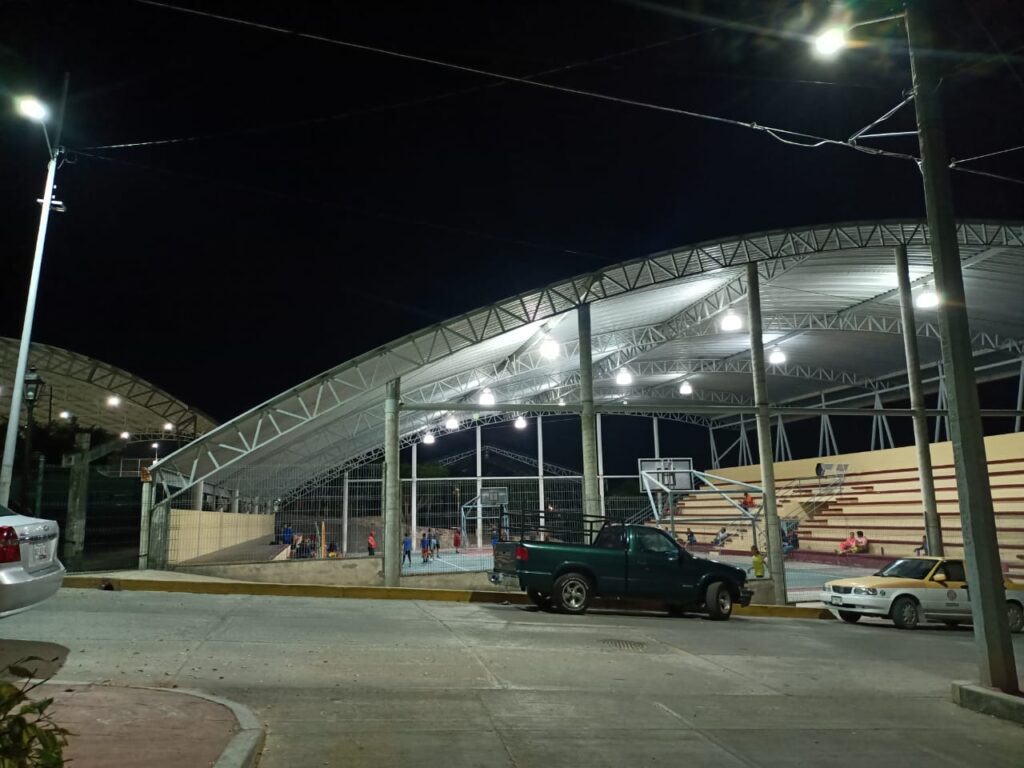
column 624, row 561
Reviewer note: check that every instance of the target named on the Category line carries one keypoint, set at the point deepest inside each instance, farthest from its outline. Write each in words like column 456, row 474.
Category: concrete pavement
column 389, row 683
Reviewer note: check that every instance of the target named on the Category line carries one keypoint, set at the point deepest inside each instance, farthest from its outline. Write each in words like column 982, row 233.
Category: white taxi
column 914, row 589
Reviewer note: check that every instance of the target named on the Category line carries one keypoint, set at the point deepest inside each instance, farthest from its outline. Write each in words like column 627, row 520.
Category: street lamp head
column 32, row 108
column 154, row 446
column 64, row 415
column 830, row 42
column 113, row 401
column 33, row 385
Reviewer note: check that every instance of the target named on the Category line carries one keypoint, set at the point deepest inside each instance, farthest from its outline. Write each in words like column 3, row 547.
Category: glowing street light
column 731, row 321
column 520, row 423
column 168, row 427
column 624, row 378
column 64, row 415
column 428, row 438
column 777, row 357
column 927, row 299
column 451, row 424
column 113, row 401
column 550, row 349
column 686, row 388
column 126, row 435
column 830, row 42
column 487, row 397
column 32, row 108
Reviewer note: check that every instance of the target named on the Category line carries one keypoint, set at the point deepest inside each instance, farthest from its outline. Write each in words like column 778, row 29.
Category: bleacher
column 879, row 494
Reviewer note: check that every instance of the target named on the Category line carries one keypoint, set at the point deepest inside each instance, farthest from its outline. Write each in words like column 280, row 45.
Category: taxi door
column 947, row 596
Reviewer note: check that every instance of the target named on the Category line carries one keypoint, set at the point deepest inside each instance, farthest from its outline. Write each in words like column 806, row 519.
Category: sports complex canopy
column 81, row 387
column 829, row 304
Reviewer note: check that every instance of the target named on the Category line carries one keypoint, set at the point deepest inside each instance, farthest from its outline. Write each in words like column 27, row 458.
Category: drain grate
column 625, row 645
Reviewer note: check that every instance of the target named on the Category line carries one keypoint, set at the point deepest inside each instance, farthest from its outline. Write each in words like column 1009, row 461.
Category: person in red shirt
column 457, row 540
column 371, row 544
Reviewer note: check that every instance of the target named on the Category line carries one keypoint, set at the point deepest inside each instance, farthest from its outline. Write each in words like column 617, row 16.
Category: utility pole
column 997, row 667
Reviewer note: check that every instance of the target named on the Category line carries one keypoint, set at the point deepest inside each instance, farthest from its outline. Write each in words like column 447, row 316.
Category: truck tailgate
column 505, row 557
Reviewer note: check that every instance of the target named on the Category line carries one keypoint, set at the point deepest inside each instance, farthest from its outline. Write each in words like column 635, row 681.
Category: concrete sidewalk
column 150, row 728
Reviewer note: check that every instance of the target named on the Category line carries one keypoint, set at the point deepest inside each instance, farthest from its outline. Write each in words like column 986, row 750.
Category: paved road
column 389, row 683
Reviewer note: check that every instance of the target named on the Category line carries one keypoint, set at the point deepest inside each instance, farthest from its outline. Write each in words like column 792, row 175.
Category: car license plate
column 39, row 552
column 837, row 600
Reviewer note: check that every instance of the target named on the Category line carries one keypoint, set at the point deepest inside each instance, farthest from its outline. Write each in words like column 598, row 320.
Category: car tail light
column 10, row 548
column 521, row 554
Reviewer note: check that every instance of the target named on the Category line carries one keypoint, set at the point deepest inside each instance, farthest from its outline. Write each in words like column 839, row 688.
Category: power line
column 786, row 136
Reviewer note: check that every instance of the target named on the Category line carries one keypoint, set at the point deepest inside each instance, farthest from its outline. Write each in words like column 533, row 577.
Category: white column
column 412, row 496
column 197, row 495
column 540, row 467
column 479, row 490
column 657, row 439
column 235, row 499
column 344, row 516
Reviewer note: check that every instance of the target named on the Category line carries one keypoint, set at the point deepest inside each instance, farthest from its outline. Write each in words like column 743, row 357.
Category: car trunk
column 37, row 539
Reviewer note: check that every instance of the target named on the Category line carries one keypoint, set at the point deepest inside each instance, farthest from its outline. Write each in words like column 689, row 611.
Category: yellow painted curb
column 293, row 590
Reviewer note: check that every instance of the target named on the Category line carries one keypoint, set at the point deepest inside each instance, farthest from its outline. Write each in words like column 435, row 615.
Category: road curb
column 374, row 593
column 989, row 701
column 243, row 751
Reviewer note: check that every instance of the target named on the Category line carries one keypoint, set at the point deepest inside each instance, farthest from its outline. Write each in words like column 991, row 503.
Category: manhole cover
column 625, row 645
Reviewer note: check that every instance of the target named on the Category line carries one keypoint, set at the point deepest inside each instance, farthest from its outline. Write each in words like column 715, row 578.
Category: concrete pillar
column 540, row 468
column 344, row 516
column 479, row 489
column 413, row 495
column 588, row 424
column 198, row 491
column 600, row 462
column 657, row 437
column 236, row 498
column 713, row 447
column 932, row 524
column 159, row 539
column 996, row 664
column 764, row 437
column 78, row 498
column 389, row 543
column 147, row 508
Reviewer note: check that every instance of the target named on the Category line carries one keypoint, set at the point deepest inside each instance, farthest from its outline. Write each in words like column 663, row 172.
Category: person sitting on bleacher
column 848, row 545
column 861, row 542
column 721, row 537
column 748, row 501
column 691, row 537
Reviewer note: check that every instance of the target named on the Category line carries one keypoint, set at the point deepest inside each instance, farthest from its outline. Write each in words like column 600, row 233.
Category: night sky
column 331, row 200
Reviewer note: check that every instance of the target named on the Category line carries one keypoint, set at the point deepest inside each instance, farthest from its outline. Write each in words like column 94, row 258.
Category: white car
column 29, row 569
column 915, row 589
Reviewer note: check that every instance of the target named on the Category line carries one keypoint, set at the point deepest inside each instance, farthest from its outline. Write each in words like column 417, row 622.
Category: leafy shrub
column 28, row 736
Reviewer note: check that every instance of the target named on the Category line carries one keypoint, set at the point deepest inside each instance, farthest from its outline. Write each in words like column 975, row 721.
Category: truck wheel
column 905, row 613
column 718, row 601
column 1015, row 613
column 539, row 599
column 572, row 593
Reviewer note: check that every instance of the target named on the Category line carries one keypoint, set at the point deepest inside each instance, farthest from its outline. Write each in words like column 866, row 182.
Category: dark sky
column 338, row 199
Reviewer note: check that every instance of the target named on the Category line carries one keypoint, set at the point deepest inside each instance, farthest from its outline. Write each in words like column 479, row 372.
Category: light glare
column 686, row 388
column 168, row 427
column 428, row 439
column 927, row 299
column 624, row 378
column 777, row 357
column 32, row 108
column 113, row 401
column 487, row 397
column 550, row 349
column 520, row 423
column 830, row 42
column 125, row 435
column 731, row 321
column 451, row 424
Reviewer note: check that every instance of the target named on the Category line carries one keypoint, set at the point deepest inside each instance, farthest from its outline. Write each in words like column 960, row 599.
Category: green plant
column 28, row 736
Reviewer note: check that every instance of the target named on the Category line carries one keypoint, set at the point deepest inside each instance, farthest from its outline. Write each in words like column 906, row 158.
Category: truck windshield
column 611, row 537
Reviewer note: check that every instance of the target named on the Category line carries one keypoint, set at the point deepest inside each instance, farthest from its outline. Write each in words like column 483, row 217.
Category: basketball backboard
column 674, row 474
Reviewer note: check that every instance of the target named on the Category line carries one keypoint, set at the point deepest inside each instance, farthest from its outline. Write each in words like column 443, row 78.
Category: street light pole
column 996, row 662
column 18, row 388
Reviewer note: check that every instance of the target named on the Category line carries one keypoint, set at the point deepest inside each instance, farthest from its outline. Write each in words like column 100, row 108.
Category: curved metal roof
column 829, row 301
column 81, row 385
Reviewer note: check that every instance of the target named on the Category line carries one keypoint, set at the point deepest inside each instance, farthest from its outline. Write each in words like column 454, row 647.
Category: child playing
column 756, row 563
column 425, row 547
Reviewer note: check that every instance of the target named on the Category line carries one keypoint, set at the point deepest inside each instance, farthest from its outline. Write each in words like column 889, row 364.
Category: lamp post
column 34, row 110
column 33, row 386
column 996, row 664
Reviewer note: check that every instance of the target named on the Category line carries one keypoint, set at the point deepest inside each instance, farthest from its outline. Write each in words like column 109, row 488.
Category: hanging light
column 451, row 424
column 64, row 415
column 927, row 299
column 428, row 438
column 777, row 357
column 113, row 401
column 686, row 388
column 624, row 378
column 520, row 423
column 561, row 401
column 487, row 397
column 126, row 435
column 168, row 427
column 830, row 42
column 731, row 321
column 550, row 349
